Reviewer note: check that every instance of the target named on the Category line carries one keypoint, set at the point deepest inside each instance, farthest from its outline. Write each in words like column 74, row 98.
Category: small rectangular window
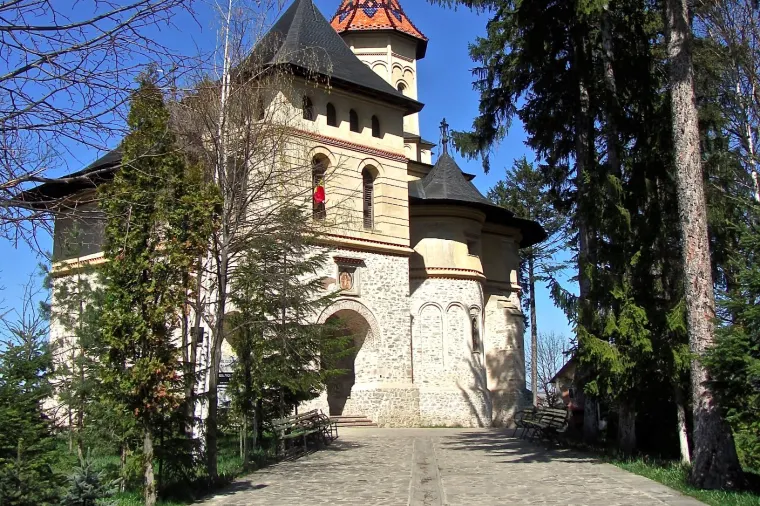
column 368, row 197
column 368, row 211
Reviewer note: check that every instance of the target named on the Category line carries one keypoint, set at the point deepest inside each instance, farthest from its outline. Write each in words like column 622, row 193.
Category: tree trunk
column 612, row 107
column 258, row 426
column 213, row 385
column 590, row 420
column 583, row 127
column 255, row 429
column 222, row 258
column 122, row 466
column 683, row 438
column 150, row 484
column 246, row 449
column 533, row 332
column 716, row 465
column 191, row 370
column 627, row 427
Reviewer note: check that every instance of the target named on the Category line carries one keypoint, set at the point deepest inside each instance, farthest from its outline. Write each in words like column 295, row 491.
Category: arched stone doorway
column 356, row 331
column 358, row 327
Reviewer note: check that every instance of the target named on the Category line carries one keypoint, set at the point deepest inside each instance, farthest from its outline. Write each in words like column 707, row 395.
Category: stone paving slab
column 444, row 467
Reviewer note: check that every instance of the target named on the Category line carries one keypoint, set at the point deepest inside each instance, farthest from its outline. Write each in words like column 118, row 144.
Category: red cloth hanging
column 319, row 194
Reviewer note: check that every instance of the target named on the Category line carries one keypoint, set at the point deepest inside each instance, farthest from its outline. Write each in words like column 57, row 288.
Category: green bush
column 88, row 486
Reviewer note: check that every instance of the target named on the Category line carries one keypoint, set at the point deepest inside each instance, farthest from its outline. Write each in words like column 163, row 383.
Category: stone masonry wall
column 449, row 373
column 385, row 392
column 505, row 356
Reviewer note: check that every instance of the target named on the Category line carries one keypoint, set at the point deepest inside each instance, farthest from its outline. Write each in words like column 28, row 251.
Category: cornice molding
column 446, row 273
column 360, row 244
column 402, row 57
column 65, row 267
column 332, row 141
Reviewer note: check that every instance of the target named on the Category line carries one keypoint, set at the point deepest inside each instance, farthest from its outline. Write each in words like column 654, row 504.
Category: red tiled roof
column 360, row 15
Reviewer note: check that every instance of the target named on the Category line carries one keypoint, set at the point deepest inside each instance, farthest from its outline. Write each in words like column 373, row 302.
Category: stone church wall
column 505, row 356
column 383, row 390
column 449, row 373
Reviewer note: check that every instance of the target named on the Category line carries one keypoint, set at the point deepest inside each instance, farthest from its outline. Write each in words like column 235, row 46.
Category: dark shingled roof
column 304, row 39
column 99, row 171
column 446, row 184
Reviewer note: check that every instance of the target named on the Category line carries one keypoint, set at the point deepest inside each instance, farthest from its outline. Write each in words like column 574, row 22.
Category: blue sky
column 445, row 87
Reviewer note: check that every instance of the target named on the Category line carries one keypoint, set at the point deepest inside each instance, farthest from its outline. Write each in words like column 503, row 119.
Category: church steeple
column 383, row 37
column 377, row 15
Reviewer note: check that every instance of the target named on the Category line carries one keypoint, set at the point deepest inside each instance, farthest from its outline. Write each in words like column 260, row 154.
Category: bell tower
column 383, row 37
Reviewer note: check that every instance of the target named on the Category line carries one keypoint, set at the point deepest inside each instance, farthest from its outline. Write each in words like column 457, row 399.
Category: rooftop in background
column 371, row 15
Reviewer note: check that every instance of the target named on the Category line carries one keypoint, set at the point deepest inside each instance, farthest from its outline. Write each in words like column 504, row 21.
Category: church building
column 428, row 274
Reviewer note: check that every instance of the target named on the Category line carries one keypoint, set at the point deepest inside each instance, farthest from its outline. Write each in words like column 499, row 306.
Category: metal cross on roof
column 445, row 136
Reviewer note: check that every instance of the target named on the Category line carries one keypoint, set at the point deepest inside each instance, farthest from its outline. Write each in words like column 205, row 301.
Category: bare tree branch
column 67, row 73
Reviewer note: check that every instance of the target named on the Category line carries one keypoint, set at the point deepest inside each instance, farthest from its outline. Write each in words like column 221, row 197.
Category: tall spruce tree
column 524, row 191
column 151, row 244
column 716, row 464
column 585, row 79
column 78, row 299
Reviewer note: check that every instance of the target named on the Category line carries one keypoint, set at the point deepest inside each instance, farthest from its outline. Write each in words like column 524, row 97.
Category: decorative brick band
column 390, row 155
column 348, row 261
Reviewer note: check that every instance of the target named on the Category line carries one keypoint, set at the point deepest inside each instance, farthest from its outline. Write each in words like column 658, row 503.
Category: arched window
column 401, row 87
column 308, row 109
column 376, row 127
column 368, row 198
column 476, row 343
column 332, row 116
column 319, row 196
column 353, row 119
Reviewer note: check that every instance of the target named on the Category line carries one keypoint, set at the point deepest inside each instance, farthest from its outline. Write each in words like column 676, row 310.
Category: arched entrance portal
column 355, row 363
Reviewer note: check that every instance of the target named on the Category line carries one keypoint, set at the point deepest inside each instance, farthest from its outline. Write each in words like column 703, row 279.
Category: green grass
column 136, row 499
column 230, row 466
column 674, row 475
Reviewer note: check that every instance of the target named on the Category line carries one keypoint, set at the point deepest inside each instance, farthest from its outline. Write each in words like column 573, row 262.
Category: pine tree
column 734, row 362
column 27, row 444
column 283, row 356
column 524, row 191
column 78, row 299
column 585, row 79
column 149, row 254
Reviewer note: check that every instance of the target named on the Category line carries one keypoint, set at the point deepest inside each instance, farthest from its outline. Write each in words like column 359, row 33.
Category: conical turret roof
column 373, row 15
column 446, row 184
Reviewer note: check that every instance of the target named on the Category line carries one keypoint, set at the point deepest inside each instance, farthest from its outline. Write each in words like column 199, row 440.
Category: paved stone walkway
column 444, row 467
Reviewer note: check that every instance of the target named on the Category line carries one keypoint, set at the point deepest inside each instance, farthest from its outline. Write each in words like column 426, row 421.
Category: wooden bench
column 523, row 419
column 550, row 424
column 294, row 432
column 547, row 423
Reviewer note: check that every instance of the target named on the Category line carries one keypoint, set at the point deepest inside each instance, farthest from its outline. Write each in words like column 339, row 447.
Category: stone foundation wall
column 455, row 408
